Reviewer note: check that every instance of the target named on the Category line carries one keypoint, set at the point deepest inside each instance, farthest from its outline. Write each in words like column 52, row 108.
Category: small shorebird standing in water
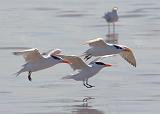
column 36, row 61
column 111, row 17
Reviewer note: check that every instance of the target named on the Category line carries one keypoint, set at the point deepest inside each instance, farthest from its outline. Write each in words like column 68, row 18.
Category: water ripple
column 138, row 100
column 150, row 74
column 44, row 9
column 71, row 15
column 143, row 4
column 133, row 15
column 144, row 34
column 5, row 92
column 10, row 48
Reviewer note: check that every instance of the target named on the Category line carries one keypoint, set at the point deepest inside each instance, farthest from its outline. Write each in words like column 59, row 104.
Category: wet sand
column 62, row 24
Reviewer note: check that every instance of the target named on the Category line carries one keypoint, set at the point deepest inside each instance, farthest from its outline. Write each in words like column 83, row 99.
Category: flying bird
column 85, row 71
column 100, row 48
column 111, row 17
column 36, row 61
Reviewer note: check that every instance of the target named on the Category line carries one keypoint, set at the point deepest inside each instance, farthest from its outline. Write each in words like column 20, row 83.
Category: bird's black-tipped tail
column 17, row 73
column 16, row 53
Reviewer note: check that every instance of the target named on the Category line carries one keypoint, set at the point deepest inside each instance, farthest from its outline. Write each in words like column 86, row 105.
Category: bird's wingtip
column 135, row 65
column 15, row 53
column 84, row 43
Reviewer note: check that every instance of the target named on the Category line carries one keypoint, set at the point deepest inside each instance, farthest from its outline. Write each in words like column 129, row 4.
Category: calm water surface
column 66, row 24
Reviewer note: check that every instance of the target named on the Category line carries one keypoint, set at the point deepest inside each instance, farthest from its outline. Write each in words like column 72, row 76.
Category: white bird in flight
column 84, row 71
column 111, row 17
column 36, row 61
column 100, row 48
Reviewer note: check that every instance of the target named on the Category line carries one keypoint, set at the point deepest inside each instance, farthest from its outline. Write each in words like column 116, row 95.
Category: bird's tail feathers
column 17, row 53
column 18, row 73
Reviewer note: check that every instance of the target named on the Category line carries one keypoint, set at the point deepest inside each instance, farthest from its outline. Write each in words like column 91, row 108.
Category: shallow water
column 62, row 24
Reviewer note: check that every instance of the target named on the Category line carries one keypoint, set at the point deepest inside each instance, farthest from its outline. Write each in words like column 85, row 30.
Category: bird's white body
column 40, row 64
column 36, row 61
column 85, row 73
column 100, row 48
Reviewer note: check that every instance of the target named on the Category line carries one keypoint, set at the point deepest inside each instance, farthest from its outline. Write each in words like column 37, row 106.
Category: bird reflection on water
column 87, row 111
column 112, row 38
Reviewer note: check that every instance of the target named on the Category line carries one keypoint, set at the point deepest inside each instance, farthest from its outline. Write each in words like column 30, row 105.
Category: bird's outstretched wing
column 98, row 42
column 129, row 56
column 95, row 60
column 76, row 62
column 30, row 54
column 54, row 52
column 100, row 58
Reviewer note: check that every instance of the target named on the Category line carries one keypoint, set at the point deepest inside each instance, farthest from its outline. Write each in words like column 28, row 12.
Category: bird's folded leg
column 84, row 83
column 113, row 28
column 29, row 76
column 108, row 28
column 89, row 84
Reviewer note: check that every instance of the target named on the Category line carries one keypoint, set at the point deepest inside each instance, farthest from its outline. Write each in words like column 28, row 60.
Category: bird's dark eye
column 57, row 58
column 117, row 47
column 99, row 63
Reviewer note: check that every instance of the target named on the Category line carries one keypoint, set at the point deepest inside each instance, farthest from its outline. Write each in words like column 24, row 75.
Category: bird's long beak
column 108, row 65
column 68, row 62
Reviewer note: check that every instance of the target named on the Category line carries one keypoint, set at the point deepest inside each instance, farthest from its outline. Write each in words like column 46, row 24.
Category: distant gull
column 111, row 17
column 36, row 61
